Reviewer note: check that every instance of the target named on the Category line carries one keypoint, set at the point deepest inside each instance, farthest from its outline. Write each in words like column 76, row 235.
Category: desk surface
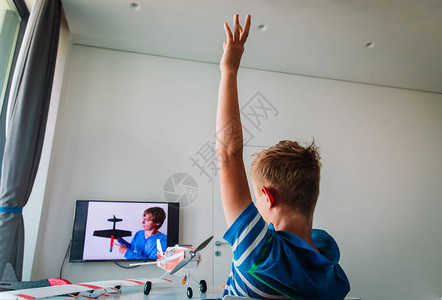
column 164, row 292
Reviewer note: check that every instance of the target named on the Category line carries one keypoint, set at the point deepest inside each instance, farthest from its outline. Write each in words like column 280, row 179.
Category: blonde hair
column 292, row 172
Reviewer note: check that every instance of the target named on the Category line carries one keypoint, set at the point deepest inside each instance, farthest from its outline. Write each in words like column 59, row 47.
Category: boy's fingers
column 236, row 32
column 247, row 23
column 228, row 32
column 239, row 34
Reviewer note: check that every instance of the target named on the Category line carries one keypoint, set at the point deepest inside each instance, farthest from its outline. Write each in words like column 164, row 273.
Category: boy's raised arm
column 235, row 193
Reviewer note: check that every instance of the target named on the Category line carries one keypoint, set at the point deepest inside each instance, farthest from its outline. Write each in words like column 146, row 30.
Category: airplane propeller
column 185, row 261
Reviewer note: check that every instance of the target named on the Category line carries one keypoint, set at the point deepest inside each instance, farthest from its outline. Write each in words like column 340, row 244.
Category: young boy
column 144, row 243
column 286, row 259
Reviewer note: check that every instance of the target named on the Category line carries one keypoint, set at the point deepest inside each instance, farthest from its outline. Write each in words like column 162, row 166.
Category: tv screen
column 122, row 230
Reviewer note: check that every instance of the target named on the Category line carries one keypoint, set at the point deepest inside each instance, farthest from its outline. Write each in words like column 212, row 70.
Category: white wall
column 129, row 121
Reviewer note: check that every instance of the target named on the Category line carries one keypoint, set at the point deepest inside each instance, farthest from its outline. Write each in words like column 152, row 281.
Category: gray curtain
column 25, row 126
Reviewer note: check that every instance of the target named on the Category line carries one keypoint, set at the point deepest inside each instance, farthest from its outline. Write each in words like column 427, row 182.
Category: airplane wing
column 117, row 233
column 51, row 291
column 160, row 260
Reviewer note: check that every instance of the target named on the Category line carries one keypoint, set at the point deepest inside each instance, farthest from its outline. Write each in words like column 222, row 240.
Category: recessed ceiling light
column 370, row 45
column 135, row 6
column 262, row 27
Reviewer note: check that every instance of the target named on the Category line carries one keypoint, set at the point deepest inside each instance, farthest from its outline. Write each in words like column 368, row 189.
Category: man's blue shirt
column 273, row 264
column 142, row 247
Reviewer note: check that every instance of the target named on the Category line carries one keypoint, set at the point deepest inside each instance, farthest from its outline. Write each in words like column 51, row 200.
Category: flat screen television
column 99, row 226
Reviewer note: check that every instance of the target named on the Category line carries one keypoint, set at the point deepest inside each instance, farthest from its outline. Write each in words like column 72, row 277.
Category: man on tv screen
column 144, row 243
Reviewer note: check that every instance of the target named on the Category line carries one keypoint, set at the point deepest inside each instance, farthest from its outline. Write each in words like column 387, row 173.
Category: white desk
column 160, row 291
column 163, row 292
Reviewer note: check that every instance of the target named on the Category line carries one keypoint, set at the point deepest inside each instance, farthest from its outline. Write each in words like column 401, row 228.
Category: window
column 13, row 18
column 9, row 28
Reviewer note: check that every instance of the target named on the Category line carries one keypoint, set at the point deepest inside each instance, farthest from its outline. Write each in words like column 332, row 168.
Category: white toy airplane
column 172, row 260
column 175, row 259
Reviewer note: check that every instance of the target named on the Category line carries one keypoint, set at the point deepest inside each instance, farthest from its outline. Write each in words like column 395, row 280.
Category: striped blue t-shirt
column 273, row 264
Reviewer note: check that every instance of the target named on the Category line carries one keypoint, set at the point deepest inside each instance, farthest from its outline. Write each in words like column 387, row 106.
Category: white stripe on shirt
column 238, row 289
column 252, row 247
column 232, row 291
column 245, row 232
column 229, row 287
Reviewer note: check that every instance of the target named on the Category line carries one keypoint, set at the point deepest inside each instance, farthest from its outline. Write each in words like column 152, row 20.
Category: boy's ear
column 270, row 196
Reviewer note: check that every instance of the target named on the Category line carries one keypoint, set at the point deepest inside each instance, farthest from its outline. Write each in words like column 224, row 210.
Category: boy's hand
column 234, row 46
column 122, row 249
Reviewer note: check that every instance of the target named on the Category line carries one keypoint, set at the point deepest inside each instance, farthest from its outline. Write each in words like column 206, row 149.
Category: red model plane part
column 112, row 243
column 58, row 281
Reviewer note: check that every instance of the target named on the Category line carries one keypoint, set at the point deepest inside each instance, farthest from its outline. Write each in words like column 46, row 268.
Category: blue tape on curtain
column 11, row 209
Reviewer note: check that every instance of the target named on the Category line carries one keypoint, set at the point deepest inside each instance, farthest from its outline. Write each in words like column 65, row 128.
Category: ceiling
column 320, row 38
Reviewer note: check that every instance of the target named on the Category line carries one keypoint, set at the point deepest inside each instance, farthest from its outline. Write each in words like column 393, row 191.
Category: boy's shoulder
column 250, row 232
column 250, row 220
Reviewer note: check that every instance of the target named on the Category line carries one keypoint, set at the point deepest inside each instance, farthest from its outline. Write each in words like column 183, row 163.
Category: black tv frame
column 80, row 225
